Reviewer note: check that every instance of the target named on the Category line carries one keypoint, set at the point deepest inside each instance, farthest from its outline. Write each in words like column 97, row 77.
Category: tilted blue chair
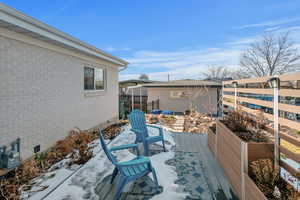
column 129, row 170
column 139, row 127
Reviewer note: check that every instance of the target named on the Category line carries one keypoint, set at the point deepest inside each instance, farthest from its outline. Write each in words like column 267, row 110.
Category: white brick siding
column 42, row 95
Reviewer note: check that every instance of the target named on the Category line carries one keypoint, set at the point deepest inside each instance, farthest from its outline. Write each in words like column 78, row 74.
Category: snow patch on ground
column 80, row 184
column 166, row 177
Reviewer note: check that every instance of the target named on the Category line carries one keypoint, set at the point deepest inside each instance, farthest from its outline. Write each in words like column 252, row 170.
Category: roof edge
column 12, row 16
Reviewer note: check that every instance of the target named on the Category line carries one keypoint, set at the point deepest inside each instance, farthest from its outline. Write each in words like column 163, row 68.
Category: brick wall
column 42, row 96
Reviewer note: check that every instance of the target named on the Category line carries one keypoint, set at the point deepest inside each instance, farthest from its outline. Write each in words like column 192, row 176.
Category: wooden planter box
column 211, row 140
column 234, row 154
column 251, row 190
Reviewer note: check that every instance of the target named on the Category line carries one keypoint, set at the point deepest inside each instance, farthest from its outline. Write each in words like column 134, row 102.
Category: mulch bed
column 114, row 130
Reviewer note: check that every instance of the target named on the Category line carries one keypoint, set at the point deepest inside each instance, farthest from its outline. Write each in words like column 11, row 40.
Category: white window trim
column 104, row 80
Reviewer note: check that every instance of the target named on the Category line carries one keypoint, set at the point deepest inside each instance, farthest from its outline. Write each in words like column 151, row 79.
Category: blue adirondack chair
column 129, row 170
column 139, row 127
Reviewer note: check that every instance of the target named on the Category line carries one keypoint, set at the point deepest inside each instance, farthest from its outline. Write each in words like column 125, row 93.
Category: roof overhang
column 181, row 86
column 15, row 21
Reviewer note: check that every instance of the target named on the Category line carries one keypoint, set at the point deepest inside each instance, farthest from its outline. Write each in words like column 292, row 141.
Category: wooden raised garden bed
column 211, row 140
column 234, row 154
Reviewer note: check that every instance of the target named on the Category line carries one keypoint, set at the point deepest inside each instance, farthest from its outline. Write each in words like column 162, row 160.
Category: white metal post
column 141, row 106
column 222, row 100
column 276, row 127
column 235, row 96
column 132, row 100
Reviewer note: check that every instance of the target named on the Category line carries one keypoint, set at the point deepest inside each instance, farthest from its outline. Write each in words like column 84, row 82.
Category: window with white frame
column 94, row 78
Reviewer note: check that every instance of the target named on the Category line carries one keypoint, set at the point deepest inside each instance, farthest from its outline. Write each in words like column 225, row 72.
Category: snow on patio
column 83, row 182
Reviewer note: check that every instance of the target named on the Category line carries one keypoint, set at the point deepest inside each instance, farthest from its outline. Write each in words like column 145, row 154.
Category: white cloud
column 193, row 72
column 111, row 49
column 190, row 63
column 270, row 23
column 272, row 29
column 178, row 59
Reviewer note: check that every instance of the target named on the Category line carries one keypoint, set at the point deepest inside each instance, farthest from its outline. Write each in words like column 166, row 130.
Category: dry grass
column 75, row 146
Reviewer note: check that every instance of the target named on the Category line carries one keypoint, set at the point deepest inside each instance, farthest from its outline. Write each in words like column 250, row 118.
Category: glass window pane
column 89, row 78
column 99, row 79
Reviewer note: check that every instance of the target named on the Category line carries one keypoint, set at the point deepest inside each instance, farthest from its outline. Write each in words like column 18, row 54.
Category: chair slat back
column 138, row 121
column 108, row 153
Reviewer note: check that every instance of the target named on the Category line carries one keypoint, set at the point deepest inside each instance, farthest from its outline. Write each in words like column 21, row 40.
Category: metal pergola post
column 132, row 95
column 235, row 84
column 222, row 100
column 132, row 100
column 276, row 127
column 274, row 82
column 141, row 105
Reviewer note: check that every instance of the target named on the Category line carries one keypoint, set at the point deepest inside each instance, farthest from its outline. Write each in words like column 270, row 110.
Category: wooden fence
column 153, row 105
column 256, row 97
column 139, row 102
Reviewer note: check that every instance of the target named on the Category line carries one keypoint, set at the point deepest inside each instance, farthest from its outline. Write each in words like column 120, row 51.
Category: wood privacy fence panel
column 290, row 88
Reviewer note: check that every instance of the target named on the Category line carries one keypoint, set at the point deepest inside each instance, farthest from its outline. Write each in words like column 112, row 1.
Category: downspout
column 123, row 68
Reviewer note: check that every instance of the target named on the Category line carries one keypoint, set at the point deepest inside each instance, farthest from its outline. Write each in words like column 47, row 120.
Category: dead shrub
column 75, row 146
column 269, row 181
column 245, row 126
column 197, row 122
column 114, row 130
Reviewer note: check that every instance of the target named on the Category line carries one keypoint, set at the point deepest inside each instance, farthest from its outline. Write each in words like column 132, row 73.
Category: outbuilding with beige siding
column 182, row 95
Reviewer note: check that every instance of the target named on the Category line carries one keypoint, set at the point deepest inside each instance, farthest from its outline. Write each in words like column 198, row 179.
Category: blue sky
column 160, row 37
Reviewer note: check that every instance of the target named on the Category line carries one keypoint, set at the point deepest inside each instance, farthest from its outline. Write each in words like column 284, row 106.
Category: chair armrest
column 154, row 126
column 125, row 146
column 157, row 127
column 138, row 161
column 136, row 131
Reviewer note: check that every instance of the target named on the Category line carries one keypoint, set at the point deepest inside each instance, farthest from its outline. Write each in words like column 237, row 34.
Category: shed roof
column 184, row 83
column 138, row 81
column 21, row 23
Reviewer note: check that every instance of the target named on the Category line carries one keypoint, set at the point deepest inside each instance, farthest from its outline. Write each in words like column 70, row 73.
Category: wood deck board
column 214, row 174
column 213, row 181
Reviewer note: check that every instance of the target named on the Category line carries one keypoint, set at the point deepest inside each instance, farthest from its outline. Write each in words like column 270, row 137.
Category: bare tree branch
column 271, row 56
column 216, row 73
column 144, row 77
